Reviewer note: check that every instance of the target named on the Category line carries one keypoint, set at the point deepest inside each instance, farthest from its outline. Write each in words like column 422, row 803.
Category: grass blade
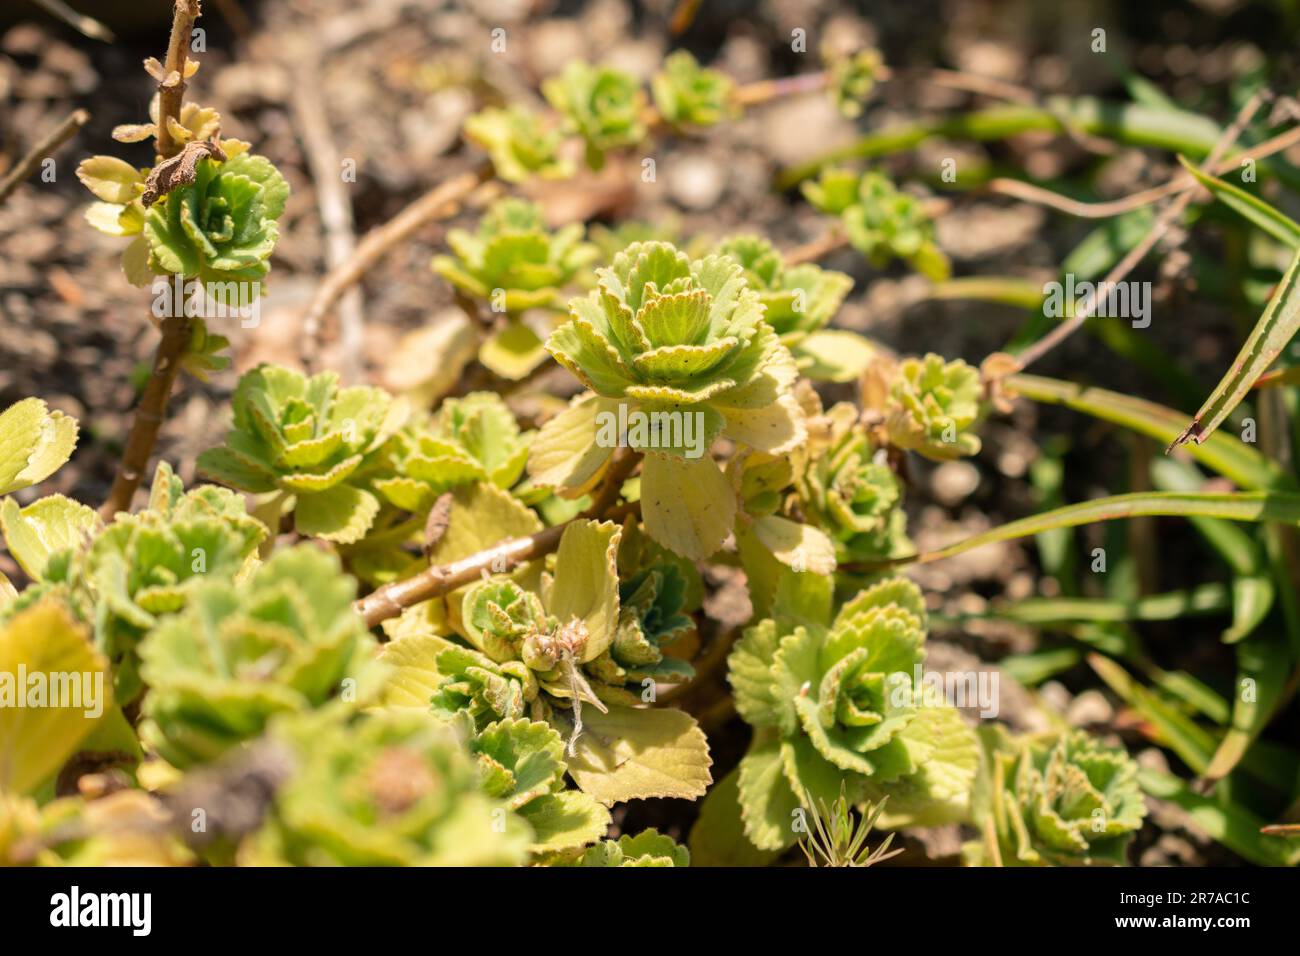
column 1244, row 506
column 1249, row 207
column 1225, row 454
column 1234, row 826
column 1276, row 327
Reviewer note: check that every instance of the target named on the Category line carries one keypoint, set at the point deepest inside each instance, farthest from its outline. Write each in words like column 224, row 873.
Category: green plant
column 932, row 405
column 664, row 335
column 513, row 264
column 285, row 641
column 847, row 490
column 1060, row 800
column 526, row 606
column 881, row 222
column 603, row 105
column 836, row 839
column 518, row 144
column 387, row 790
column 798, row 303
column 837, row 703
column 688, row 94
column 308, row 443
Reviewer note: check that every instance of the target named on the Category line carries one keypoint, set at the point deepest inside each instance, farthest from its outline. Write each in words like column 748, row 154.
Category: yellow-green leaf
column 413, row 675
column 630, row 754
column 34, row 442
column 564, row 821
column 109, row 178
column 565, row 454
column 512, row 351
column 586, row 582
column 688, row 505
column 342, row 513
column 799, row 546
column 38, row 734
column 834, row 355
column 51, row 524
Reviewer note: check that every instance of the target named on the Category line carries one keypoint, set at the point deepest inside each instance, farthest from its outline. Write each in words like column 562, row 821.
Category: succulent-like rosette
column 799, row 302
column 836, row 706
column 542, row 655
column 651, row 618
column 688, row 94
column 603, row 105
column 475, row 438
column 852, row 78
column 796, row 300
column 681, row 348
column 847, row 489
column 556, row 637
column 512, row 261
column 932, row 405
column 385, row 789
column 310, row 440
column 881, row 222
column 222, row 227
column 521, row 762
column 518, row 144
column 486, row 690
column 283, row 641
column 1063, row 800
column 146, row 567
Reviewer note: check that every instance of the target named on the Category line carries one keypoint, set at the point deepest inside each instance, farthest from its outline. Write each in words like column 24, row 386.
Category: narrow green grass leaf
column 1250, row 207
column 1223, row 453
column 1276, row 327
column 1234, row 826
column 1206, row 599
column 1263, row 665
column 1244, row 506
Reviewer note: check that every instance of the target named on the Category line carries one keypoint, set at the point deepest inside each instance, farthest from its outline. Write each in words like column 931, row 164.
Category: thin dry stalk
column 1167, row 218
column 438, row 580
column 152, row 410
column 45, row 148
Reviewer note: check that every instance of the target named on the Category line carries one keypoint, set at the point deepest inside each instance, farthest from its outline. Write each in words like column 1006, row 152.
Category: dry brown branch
column 45, row 148
column 171, row 89
column 438, row 203
column 151, row 411
column 391, row 599
column 1017, row 189
column 335, row 209
column 1167, row 217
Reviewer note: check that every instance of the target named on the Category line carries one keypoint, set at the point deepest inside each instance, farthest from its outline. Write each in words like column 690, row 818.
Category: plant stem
column 1167, row 218
column 152, row 410
column 171, row 91
column 438, row 580
column 47, row 146
column 1126, row 123
column 1028, row 192
column 438, row 203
